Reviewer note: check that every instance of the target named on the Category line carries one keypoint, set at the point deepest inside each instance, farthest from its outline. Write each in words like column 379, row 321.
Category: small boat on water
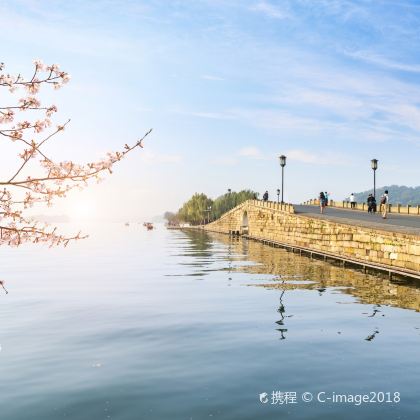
column 127, row 224
column 148, row 225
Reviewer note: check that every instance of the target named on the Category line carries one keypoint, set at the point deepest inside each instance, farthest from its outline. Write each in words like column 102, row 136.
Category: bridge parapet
column 284, row 207
column 392, row 208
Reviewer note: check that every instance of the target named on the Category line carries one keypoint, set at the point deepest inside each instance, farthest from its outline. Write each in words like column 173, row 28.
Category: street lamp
column 282, row 159
column 374, row 164
column 278, row 195
column 208, row 214
column 208, row 211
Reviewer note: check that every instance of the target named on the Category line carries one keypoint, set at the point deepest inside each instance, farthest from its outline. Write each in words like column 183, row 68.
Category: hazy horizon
column 227, row 86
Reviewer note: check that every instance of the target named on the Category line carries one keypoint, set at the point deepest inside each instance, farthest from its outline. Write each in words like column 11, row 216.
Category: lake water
column 168, row 325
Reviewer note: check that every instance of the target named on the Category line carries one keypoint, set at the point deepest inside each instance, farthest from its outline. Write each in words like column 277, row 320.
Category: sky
column 227, row 86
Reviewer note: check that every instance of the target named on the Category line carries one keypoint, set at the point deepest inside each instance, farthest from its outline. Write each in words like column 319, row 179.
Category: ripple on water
column 121, row 328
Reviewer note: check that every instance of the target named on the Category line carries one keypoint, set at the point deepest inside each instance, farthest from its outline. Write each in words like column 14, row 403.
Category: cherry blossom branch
column 2, row 285
column 23, row 190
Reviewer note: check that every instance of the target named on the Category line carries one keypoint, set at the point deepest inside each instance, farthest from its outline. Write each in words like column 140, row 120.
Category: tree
column 197, row 209
column 38, row 178
column 194, row 211
column 228, row 201
column 172, row 218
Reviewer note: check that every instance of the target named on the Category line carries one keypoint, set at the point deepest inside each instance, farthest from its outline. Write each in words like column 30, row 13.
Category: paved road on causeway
column 395, row 222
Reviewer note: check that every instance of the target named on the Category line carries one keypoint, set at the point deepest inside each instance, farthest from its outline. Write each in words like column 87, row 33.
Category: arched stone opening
column 245, row 225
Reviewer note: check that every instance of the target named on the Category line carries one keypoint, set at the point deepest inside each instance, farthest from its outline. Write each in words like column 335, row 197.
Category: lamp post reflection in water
column 230, row 260
column 282, row 310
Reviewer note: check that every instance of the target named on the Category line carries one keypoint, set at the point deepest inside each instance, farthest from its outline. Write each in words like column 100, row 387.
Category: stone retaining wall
column 270, row 221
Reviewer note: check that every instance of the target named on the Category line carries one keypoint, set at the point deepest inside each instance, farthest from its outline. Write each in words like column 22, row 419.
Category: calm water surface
column 131, row 324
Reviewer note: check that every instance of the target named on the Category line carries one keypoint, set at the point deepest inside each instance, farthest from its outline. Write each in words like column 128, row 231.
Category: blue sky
column 228, row 86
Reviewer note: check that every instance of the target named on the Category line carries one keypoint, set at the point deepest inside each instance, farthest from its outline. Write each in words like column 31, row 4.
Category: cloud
column 272, row 119
column 405, row 114
column 298, row 155
column 379, row 60
column 251, row 152
column 271, row 11
column 62, row 36
column 345, row 105
column 344, row 10
column 327, row 158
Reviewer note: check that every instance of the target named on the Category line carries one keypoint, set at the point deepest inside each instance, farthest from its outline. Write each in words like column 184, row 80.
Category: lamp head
column 374, row 164
column 282, row 159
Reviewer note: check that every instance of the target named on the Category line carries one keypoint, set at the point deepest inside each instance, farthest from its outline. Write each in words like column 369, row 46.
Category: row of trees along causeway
column 200, row 209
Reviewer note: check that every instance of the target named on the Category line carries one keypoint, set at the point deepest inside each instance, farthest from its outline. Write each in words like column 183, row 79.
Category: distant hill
column 398, row 194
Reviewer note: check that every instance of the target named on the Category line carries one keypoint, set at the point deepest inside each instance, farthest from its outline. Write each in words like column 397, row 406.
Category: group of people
column 371, row 203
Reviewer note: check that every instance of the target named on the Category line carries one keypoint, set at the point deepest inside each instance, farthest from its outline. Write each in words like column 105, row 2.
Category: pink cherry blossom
column 21, row 190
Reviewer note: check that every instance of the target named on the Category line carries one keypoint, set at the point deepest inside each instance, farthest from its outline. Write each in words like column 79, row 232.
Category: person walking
column 352, row 201
column 265, row 196
column 384, row 204
column 371, row 202
column 322, row 202
column 326, row 198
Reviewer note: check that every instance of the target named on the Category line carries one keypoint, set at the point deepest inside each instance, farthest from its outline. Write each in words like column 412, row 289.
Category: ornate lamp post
column 282, row 159
column 278, row 195
column 374, row 164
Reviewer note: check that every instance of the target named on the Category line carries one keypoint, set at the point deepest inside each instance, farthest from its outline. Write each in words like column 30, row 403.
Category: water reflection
column 282, row 311
column 206, row 254
column 372, row 336
column 291, row 271
column 375, row 311
column 319, row 275
column 200, row 246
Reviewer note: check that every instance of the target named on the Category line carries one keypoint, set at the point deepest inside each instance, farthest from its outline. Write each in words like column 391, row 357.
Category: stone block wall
column 271, row 222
